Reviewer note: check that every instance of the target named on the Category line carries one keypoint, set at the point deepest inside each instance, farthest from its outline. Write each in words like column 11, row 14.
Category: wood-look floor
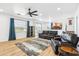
column 10, row 49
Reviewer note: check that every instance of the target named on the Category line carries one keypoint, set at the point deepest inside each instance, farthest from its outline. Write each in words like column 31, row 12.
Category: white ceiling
column 44, row 9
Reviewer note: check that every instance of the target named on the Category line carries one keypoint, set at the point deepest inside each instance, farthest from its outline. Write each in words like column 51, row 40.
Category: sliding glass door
column 20, row 28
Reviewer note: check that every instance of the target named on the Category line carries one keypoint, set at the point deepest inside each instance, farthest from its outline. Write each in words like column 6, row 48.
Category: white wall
column 5, row 24
column 63, row 19
column 4, row 27
column 65, row 22
column 77, row 21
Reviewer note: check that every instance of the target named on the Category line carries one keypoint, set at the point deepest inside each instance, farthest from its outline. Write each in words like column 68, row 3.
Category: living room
column 29, row 25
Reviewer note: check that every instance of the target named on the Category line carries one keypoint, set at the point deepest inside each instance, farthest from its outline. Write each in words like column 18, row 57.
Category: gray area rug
column 34, row 47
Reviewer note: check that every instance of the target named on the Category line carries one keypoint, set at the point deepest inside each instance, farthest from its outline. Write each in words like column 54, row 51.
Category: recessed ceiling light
column 58, row 9
column 1, row 10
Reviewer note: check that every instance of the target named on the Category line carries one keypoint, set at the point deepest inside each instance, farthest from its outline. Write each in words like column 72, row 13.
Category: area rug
column 33, row 47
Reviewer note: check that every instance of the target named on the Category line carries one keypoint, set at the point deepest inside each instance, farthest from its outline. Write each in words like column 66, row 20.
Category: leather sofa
column 47, row 34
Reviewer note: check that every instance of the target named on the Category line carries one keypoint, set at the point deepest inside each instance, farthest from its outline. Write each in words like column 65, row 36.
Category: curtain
column 12, row 35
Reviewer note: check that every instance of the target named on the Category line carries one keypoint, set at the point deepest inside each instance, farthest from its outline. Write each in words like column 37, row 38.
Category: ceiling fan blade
column 29, row 9
column 35, row 14
column 34, row 11
column 30, row 15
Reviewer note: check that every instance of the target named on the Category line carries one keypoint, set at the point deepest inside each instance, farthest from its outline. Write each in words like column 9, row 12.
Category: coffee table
column 68, row 50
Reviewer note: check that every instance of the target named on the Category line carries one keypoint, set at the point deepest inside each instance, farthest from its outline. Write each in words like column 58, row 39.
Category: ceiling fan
column 31, row 13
